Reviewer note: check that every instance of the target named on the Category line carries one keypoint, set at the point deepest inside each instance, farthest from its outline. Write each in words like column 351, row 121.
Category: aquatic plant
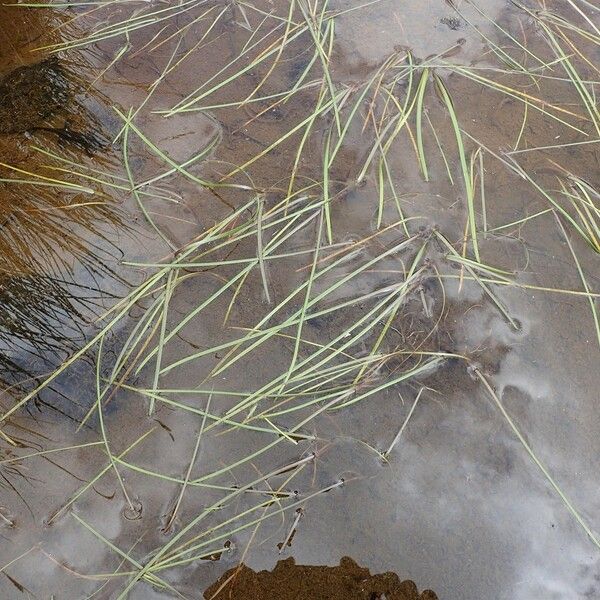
column 278, row 245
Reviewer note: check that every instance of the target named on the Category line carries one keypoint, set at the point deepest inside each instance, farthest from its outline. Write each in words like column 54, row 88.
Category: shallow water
column 449, row 498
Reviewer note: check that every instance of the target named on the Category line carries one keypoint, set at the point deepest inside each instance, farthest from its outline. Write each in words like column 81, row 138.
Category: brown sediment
column 41, row 97
column 32, row 94
column 22, row 32
column 289, row 581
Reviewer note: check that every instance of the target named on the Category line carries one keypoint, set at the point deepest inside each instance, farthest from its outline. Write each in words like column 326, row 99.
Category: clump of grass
column 54, row 235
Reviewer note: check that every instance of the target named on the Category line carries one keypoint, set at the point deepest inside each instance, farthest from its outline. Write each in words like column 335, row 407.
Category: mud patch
column 30, row 95
column 288, row 580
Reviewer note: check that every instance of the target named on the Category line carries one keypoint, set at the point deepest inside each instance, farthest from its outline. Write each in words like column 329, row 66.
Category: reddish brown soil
column 289, row 581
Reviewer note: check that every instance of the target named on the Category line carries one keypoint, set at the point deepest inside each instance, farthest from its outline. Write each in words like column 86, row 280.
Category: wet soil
column 31, row 95
column 40, row 97
column 289, row 581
